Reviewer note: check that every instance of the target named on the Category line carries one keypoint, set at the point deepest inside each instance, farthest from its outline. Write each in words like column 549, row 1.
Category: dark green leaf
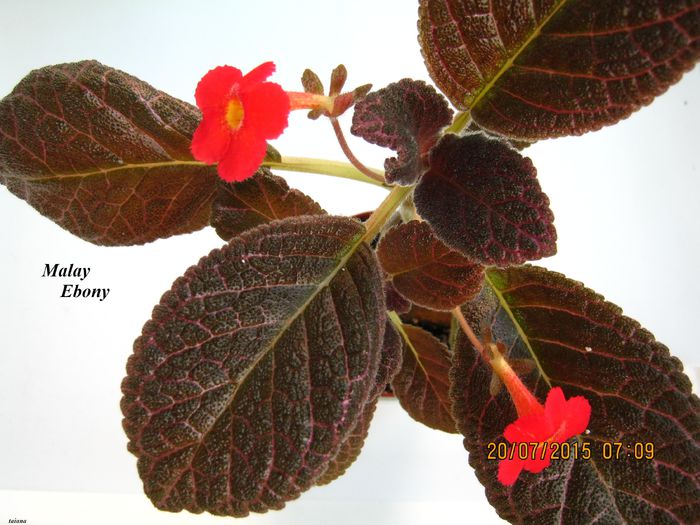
column 422, row 384
column 482, row 198
column 405, row 116
column 424, row 270
column 264, row 197
column 104, row 155
column 256, row 367
column 637, row 391
column 533, row 70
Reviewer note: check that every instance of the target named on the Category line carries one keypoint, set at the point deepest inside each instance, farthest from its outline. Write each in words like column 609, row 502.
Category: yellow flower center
column 234, row 114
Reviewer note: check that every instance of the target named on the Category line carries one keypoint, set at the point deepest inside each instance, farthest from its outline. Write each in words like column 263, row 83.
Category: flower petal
column 211, row 140
column 509, row 470
column 528, row 428
column 578, row 417
column 214, row 90
column 243, row 158
column 257, row 76
column 266, row 110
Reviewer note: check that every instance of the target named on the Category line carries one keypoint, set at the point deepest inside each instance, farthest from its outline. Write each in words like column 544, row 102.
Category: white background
column 625, row 201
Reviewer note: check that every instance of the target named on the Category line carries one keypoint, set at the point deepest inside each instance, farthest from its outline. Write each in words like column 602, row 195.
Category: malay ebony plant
column 258, row 374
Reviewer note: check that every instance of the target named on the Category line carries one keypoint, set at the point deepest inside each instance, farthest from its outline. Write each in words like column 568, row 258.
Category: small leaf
column 256, row 367
column 482, row 199
column 537, row 70
column 272, row 155
column 311, row 82
column 338, row 78
column 264, row 197
column 422, row 385
column 637, row 391
column 405, row 116
column 424, row 270
column 104, row 155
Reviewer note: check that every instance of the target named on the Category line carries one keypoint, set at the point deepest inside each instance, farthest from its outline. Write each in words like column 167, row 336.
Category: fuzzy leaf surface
column 422, row 384
column 262, row 198
column 389, row 365
column 533, row 70
column 104, row 155
column 351, row 447
column 405, row 116
column 482, row 198
column 637, row 391
column 256, row 367
column 424, row 270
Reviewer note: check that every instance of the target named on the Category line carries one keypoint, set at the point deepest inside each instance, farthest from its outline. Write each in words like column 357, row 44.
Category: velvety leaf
column 262, row 198
column 424, row 270
column 405, row 116
column 104, row 155
column 533, row 70
column 394, row 300
column 389, row 365
column 422, row 384
column 391, row 359
column 256, row 367
column 482, row 198
column 637, row 391
column 352, row 446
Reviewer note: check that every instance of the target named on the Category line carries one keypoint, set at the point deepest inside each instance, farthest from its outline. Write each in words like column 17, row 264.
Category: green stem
column 324, row 167
column 460, row 122
column 385, row 211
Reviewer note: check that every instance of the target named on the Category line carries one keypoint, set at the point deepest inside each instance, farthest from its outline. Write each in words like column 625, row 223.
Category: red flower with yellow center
column 555, row 422
column 240, row 113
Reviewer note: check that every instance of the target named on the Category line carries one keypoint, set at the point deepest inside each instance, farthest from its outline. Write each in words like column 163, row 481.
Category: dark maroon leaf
column 482, row 199
column 394, row 300
column 391, row 359
column 104, row 155
column 533, row 70
column 262, row 198
column 405, row 116
column 256, row 367
column 389, row 365
column 422, row 384
column 424, row 270
column 352, row 446
column 637, row 391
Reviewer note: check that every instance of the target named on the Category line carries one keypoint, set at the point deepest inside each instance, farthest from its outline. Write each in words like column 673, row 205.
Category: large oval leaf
column 256, row 367
column 533, row 70
column 637, row 391
column 104, row 155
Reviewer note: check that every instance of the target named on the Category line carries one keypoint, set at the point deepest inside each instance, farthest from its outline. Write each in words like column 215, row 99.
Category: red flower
column 240, row 113
column 556, row 422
